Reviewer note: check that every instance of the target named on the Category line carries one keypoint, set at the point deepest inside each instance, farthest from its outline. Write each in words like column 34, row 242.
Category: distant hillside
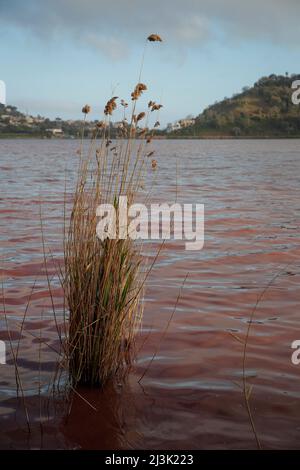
column 13, row 123
column 264, row 110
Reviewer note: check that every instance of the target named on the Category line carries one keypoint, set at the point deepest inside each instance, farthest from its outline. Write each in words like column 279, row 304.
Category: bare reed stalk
column 103, row 279
column 19, row 383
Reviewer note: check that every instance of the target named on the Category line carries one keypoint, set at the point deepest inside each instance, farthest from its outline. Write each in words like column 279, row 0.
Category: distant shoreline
column 165, row 137
column 230, row 137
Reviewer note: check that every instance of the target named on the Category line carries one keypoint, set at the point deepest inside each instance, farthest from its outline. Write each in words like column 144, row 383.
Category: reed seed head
column 140, row 116
column 86, row 109
column 101, row 124
column 140, row 87
column 154, row 38
column 156, row 107
column 110, row 106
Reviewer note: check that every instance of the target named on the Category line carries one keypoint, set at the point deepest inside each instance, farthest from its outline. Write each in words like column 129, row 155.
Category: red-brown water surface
column 191, row 395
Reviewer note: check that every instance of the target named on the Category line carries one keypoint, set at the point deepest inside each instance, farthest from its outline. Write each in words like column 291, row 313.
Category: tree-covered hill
column 264, row 110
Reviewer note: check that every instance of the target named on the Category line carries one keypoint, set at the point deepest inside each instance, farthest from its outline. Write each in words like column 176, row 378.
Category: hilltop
column 264, row 110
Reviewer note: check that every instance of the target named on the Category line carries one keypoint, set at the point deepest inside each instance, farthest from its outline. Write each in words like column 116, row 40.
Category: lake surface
column 191, row 396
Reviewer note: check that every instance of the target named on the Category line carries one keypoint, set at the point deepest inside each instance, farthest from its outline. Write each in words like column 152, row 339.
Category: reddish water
column 190, row 396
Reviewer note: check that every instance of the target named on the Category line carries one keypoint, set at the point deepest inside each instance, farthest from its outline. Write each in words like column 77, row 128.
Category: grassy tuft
column 103, row 280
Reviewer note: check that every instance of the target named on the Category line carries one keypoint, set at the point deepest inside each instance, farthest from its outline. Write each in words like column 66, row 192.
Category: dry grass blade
column 165, row 330
column 17, row 373
column 246, row 389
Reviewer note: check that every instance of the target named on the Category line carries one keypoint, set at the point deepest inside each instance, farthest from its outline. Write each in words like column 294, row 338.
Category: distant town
column 15, row 123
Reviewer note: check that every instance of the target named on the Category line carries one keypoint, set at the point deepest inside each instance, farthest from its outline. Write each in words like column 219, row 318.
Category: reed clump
column 104, row 278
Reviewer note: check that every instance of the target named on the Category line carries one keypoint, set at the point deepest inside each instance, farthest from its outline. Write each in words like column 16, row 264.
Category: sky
column 58, row 55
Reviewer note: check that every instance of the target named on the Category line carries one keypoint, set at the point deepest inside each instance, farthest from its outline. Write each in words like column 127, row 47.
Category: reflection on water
column 191, row 395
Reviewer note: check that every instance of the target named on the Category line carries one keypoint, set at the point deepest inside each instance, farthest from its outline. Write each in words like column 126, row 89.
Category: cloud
column 114, row 27
column 109, row 46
